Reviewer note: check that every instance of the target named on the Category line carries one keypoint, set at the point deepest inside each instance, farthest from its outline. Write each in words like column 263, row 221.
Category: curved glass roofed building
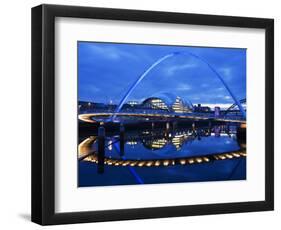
column 168, row 102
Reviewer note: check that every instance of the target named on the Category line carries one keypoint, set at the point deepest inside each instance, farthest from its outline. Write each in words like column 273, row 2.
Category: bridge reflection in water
column 165, row 154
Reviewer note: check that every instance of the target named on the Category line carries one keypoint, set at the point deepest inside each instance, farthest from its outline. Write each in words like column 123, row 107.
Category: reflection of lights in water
column 220, row 134
column 179, row 138
column 158, row 144
column 131, row 142
column 110, row 145
column 177, row 142
column 157, row 140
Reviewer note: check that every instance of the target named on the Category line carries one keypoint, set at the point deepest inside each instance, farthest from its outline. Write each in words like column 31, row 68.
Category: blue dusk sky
column 106, row 71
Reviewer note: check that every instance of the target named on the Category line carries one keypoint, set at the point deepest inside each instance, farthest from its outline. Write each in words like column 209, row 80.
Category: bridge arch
column 162, row 59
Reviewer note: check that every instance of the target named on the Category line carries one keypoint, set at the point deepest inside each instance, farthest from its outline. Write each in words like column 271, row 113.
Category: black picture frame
column 43, row 110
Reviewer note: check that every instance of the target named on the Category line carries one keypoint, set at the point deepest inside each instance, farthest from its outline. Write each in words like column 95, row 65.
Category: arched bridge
column 162, row 59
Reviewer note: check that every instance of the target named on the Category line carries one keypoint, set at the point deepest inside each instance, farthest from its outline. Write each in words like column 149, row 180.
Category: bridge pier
column 217, row 131
column 175, row 125
column 193, row 129
column 101, row 149
column 209, row 128
column 167, row 125
column 122, row 139
column 242, row 134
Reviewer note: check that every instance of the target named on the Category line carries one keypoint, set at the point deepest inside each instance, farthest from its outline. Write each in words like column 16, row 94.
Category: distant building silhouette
column 199, row 108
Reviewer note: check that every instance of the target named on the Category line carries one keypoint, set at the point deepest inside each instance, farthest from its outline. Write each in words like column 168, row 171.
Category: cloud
column 204, row 85
column 170, row 70
column 221, row 89
column 111, row 68
column 110, row 52
column 195, row 98
column 221, row 105
column 183, row 87
column 227, row 97
column 226, row 72
column 90, row 88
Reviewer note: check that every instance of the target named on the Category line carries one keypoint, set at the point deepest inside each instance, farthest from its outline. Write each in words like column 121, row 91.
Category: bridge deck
column 90, row 117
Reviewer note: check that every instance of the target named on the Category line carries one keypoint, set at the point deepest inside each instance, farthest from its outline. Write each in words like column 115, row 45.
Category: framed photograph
column 142, row 114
